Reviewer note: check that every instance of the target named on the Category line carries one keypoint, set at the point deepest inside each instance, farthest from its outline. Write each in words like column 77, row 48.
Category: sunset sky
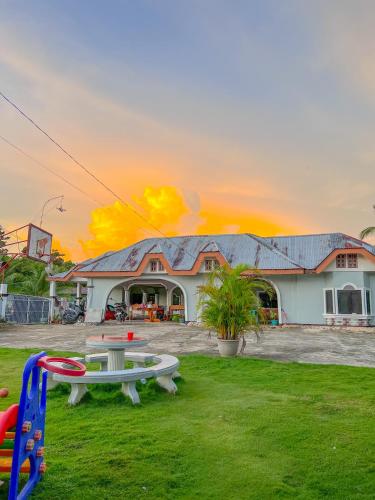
column 207, row 116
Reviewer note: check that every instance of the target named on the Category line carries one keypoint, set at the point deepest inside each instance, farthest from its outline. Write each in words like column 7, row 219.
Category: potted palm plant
column 229, row 304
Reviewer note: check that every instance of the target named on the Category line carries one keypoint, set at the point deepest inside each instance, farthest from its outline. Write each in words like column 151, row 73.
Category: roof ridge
column 303, row 235
column 274, row 249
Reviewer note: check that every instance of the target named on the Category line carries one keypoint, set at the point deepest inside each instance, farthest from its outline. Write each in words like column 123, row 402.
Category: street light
column 59, row 208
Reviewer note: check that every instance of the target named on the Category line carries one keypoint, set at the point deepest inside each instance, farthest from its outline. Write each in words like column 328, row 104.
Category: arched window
column 349, row 300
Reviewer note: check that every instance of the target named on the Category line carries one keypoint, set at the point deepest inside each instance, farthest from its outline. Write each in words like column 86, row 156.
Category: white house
column 318, row 279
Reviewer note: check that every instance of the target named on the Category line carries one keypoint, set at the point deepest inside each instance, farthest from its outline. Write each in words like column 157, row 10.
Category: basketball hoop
column 36, row 245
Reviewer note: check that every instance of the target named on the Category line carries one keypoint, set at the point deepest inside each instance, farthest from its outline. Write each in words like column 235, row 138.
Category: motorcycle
column 120, row 312
column 72, row 314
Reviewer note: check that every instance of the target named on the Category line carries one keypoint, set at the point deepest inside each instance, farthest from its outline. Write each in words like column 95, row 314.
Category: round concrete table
column 116, row 346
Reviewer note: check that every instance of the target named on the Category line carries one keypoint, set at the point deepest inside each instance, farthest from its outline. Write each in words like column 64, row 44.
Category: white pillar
column 52, row 298
column 127, row 298
column 169, row 298
column 78, row 293
column 144, row 298
column 90, row 292
column 3, row 299
column 157, row 299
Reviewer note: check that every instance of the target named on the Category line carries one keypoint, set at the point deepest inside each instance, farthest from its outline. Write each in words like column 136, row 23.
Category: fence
column 26, row 309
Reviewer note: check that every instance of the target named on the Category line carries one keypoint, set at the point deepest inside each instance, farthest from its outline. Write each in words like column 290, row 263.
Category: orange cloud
column 115, row 226
column 219, row 220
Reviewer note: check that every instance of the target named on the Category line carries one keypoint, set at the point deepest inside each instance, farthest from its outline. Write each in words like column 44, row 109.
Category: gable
column 365, row 261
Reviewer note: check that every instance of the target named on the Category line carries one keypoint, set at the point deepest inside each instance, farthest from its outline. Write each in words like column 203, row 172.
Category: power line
column 17, row 148
column 85, row 169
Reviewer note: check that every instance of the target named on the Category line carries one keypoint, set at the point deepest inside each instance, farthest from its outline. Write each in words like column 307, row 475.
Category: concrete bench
column 138, row 358
column 163, row 371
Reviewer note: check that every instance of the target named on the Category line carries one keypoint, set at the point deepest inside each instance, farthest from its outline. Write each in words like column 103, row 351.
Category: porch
column 148, row 300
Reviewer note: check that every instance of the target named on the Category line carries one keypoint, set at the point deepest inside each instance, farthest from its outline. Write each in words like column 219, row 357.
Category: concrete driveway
column 324, row 345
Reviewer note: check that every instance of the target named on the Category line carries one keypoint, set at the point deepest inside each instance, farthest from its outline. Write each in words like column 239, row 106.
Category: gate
column 26, row 309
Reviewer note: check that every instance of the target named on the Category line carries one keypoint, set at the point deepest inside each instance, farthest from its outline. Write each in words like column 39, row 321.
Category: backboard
column 39, row 244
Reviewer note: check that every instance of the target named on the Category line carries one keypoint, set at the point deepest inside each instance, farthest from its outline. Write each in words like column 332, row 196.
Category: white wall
column 301, row 296
column 115, row 296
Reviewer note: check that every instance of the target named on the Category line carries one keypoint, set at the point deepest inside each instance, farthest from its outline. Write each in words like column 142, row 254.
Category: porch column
column 169, row 298
column 157, row 299
column 3, row 299
column 78, row 293
column 144, row 298
column 90, row 293
column 127, row 297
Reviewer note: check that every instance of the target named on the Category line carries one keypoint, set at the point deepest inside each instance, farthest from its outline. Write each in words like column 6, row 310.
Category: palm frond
column 229, row 303
column 368, row 231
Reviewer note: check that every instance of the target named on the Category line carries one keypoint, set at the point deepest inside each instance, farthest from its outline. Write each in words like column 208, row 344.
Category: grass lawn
column 237, row 429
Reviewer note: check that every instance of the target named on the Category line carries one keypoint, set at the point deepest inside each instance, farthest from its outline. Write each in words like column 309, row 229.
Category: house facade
column 317, row 279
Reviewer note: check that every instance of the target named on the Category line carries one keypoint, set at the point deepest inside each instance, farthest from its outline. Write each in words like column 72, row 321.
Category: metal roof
column 311, row 249
column 61, row 275
column 274, row 253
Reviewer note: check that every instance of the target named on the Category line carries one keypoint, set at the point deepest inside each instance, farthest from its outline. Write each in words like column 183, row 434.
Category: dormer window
column 156, row 266
column 341, row 261
column 352, row 260
column 210, row 264
column 349, row 260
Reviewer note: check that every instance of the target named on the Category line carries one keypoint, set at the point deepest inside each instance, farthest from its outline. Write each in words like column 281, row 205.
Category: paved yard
column 303, row 344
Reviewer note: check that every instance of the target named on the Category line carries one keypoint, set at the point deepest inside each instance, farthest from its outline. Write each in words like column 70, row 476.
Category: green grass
column 237, row 429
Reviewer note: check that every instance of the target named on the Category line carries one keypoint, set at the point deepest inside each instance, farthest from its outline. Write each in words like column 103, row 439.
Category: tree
column 58, row 263
column 3, row 241
column 229, row 302
column 26, row 276
column 368, row 231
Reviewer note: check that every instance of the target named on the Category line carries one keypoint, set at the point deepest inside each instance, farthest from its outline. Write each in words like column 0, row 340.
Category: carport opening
column 142, row 301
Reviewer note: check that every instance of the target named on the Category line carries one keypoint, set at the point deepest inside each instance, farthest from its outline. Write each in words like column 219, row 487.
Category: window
column 368, row 302
column 156, row 265
column 349, row 300
column 329, row 305
column 210, row 264
column 341, row 261
column 352, row 260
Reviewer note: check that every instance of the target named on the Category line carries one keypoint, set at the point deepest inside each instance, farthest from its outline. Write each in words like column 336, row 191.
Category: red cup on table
column 130, row 335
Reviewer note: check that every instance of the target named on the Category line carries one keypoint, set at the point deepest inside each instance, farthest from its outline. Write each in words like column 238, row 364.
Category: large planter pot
column 228, row 347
